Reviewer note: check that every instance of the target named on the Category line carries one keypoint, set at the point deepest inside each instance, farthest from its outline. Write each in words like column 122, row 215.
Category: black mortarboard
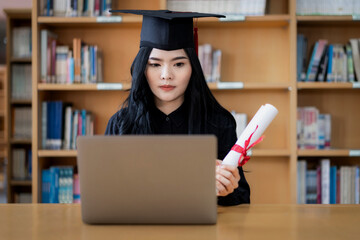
column 167, row 30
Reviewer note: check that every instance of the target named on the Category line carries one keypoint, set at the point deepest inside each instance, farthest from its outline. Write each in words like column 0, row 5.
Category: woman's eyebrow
column 174, row 59
column 179, row 57
column 154, row 58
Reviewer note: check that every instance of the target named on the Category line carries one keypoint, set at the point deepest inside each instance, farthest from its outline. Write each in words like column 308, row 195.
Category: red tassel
column 196, row 38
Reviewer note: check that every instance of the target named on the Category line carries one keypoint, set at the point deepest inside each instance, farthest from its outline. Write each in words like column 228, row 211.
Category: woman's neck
column 168, row 107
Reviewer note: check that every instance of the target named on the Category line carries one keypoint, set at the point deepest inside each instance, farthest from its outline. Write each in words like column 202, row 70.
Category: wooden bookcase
column 3, row 140
column 260, row 52
column 15, row 18
column 338, row 99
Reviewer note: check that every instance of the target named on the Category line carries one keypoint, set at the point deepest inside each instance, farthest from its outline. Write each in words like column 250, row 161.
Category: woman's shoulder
column 221, row 119
column 118, row 115
column 114, row 122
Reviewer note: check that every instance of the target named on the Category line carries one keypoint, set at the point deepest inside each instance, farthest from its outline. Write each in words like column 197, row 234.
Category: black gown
column 175, row 123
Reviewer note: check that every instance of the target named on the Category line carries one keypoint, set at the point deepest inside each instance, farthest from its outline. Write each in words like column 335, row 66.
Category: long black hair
column 134, row 117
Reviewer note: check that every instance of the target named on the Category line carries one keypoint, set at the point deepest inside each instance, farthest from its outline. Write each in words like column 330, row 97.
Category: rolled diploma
column 262, row 119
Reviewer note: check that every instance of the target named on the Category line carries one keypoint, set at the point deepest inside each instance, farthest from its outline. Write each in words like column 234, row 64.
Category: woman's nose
column 166, row 73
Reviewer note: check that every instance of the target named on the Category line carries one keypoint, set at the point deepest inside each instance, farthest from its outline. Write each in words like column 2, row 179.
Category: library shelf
column 260, row 51
column 268, row 20
column 83, row 87
column 329, row 153
column 20, row 60
column 248, row 85
column 57, row 153
column 20, row 182
column 127, row 86
column 326, row 85
column 15, row 18
column 20, row 141
column 325, row 18
column 20, row 102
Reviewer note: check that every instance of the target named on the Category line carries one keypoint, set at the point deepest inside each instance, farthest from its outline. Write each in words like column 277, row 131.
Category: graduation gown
column 176, row 123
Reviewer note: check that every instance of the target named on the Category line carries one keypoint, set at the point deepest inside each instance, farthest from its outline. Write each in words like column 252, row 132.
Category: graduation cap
column 168, row 30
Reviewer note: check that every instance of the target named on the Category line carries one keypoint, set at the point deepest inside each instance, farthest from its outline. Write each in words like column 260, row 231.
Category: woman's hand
column 227, row 178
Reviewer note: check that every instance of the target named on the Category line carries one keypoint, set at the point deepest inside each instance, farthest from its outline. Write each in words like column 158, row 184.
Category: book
column 350, row 64
column 45, row 185
column 333, row 183
column 67, row 127
column 301, row 171
column 325, row 181
column 318, row 185
column 46, row 39
column 311, row 186
column 301, row 57
column 356, row 57
column 315, row 60
column 329, row 75
column 21, row 42
column 76, row 189
column 321, row 131
column 321, row 73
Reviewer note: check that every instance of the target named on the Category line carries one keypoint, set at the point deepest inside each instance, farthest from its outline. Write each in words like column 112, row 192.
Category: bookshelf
column 17, row 98
column 245, row 38
column 3, row 140
column 336, row 98
column 259, row 52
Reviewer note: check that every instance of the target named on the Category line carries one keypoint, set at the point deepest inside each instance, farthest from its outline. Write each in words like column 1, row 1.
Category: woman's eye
column 154, row 64
column 180, row 64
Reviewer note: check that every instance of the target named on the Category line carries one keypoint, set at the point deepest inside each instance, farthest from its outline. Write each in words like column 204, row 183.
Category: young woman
column 169, row 95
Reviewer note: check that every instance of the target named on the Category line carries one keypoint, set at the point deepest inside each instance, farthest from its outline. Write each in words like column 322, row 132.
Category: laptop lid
column 148, row 179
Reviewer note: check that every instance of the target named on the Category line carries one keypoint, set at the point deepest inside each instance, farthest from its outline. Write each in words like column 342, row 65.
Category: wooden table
column 52, row 221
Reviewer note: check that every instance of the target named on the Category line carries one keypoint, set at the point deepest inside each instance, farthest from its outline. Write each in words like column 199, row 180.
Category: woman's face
column 168, row 74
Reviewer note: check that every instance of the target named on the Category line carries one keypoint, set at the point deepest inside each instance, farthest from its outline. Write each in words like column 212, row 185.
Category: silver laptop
column 158, row 179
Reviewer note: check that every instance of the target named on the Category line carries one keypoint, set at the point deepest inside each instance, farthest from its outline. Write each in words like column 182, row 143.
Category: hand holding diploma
column 227, row 178
column 251, row 135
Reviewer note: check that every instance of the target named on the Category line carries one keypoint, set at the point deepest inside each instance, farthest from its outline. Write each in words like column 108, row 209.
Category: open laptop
column 157, row 179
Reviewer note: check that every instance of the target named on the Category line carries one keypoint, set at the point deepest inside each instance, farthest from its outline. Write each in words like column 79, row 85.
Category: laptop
column 147, row 179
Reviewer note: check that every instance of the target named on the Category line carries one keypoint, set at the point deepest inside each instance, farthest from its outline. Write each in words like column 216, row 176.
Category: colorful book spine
column 325, row 181
column 329, row 76
column 350, row 64
column 76, row 189
column 333, row 183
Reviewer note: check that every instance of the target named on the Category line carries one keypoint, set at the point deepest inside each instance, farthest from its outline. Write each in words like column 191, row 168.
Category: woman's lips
column 167, row 87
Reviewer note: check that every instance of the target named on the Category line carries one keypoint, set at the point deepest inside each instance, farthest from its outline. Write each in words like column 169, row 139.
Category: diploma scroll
column 251, row 135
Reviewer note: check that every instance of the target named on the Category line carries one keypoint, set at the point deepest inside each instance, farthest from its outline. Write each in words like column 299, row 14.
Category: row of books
column 327, row 7
column 59, row 184
column 61, row 124
column 226, row 7
column 21, row 82
column 313, row 129
column 22, row 123
column 326, row 184
column 21, row 45
column 328, row 62
column 75, row 8
column 21, row 164
column 241, row 122
column 61, row 64
column 210, row 60
column 22, row 197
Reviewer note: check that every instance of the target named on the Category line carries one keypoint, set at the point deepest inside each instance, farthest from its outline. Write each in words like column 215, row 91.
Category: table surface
column 63, row 221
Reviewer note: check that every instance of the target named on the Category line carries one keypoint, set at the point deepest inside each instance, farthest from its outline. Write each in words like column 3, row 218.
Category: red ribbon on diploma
column 243, row 150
